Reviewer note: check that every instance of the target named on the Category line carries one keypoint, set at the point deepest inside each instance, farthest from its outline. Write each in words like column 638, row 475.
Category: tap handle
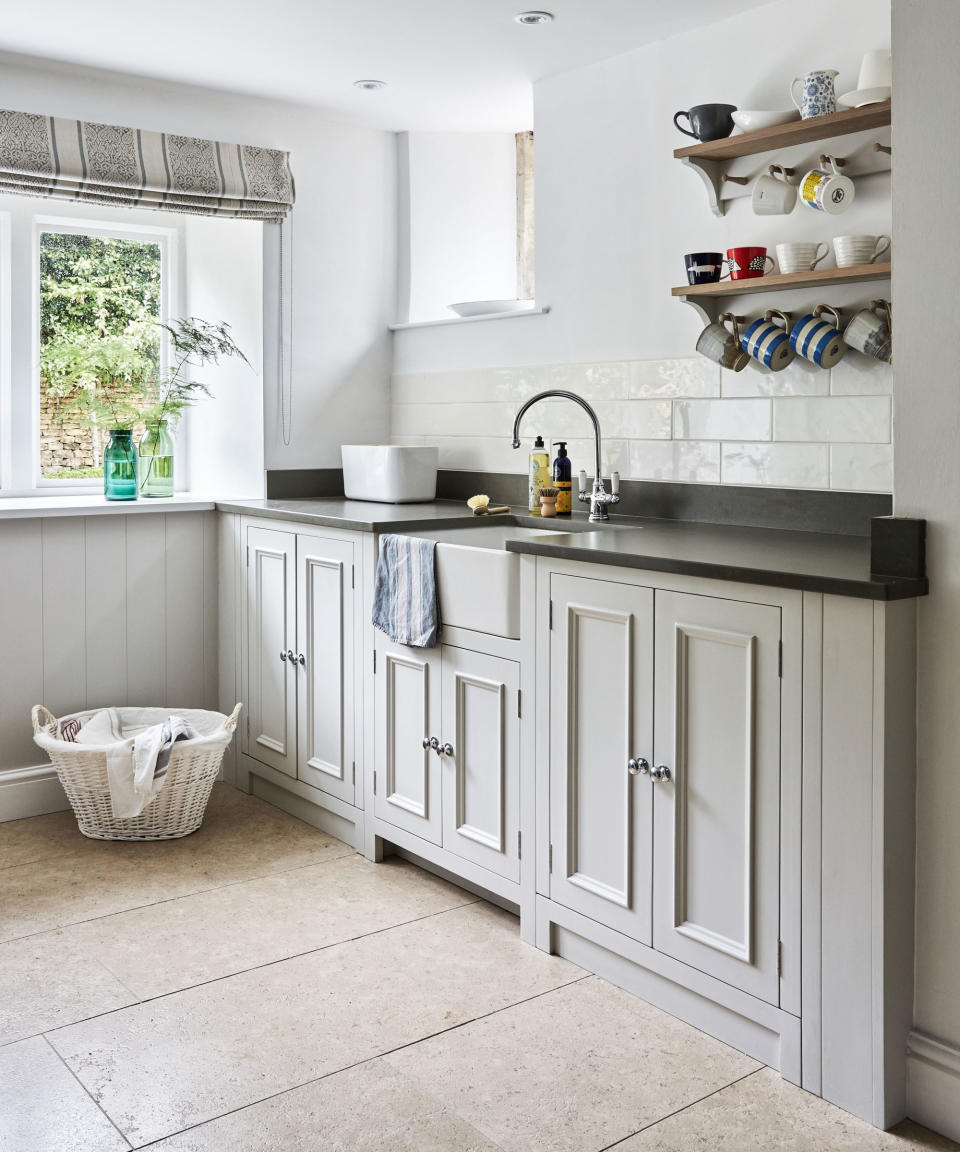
column 582, row 479
column 615, row 483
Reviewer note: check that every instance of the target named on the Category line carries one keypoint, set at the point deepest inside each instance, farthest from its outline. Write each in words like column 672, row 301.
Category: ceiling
column 449, row 64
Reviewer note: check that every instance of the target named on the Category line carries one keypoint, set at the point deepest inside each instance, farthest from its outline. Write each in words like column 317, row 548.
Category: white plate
column 490, row 307
column 863, row 97
column 754, row 121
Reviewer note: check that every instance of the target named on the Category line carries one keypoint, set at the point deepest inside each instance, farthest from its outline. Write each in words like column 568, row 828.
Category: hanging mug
column 721, row 346
column 773, row 195
column 826, row 189
column 871, row 331
column 767, row 340
column 818, row 94
column 817, row 339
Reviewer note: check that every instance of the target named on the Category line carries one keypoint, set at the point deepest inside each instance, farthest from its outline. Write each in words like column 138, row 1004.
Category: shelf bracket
column 707, row 306
column 711, row 173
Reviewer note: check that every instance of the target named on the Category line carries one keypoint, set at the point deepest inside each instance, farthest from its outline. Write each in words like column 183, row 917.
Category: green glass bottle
column 156, row 460
column 120, row 466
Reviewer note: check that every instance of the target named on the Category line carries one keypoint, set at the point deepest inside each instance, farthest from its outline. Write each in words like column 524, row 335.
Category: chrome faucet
column 599, row 497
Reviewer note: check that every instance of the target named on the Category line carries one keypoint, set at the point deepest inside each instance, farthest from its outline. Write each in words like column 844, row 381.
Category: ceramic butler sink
column 478, row 580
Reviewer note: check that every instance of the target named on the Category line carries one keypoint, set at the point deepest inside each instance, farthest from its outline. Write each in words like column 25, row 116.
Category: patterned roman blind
column 108, row 164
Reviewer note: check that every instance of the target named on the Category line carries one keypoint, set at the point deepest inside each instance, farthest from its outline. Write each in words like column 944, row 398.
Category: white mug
column 853, row 250
column 773, row 196
column 827, row 189
column 801, row 257
column 870, row 331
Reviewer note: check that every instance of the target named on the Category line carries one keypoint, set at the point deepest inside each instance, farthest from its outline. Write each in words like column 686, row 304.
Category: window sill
column 24, row 507
column 468, row 319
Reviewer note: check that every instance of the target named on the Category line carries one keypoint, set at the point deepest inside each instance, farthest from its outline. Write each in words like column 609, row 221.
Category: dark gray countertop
column 809, row 561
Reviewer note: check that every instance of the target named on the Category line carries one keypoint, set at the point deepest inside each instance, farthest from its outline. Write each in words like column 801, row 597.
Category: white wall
column 462, row 219
column 927, row 175
column 615, row 214
column 343, row 237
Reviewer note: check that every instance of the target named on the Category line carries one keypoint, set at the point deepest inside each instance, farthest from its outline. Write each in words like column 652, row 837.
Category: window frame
column 167, row 240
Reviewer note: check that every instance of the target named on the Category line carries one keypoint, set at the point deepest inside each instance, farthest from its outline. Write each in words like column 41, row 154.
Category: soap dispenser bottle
column 562, row 472
column 539, row 474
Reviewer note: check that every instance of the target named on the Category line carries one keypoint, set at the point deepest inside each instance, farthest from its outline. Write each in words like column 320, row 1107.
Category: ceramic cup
column 748, row 263
column 801, row 256
column 852, row 250
column 870, row 331
column 767, row 340
column 703, row 267
column 817, row 95
column 818, row 340
column 773, row 195
column 827, row 190
column 876, row 70
column 708, row 121
column 721, row 345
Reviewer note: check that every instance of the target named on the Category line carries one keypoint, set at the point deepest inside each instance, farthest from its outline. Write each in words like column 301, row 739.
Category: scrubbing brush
column 480, row 506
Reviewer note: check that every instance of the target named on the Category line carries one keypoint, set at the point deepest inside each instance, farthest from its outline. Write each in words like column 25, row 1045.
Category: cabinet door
column 407, row 712
column 481, row 778
column 325, row 691
column 601, row 701
column 271, row 631
column 717, row 819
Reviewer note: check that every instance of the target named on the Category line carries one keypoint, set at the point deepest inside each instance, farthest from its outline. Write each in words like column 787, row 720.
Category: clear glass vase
column 120, row 466
column 156, row 460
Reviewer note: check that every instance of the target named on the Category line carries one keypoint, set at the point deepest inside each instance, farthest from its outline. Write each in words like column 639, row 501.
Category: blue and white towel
column 405, row 602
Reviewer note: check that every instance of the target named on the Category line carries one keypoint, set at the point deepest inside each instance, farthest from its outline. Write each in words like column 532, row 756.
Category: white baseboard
column 30, row 792
column 933, row 1084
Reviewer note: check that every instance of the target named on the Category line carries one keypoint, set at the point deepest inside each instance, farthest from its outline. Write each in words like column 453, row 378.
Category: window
column 100, row 299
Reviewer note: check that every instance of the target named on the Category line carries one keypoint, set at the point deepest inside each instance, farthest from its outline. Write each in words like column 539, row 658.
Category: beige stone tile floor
column 258, row 986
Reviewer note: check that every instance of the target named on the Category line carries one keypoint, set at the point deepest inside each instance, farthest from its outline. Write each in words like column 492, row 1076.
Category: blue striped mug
column 818, row 340
column 769, row 343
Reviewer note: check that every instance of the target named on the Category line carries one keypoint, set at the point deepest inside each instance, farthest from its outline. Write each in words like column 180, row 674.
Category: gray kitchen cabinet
column 665, row 772
column 300, row 651
column 448, row 749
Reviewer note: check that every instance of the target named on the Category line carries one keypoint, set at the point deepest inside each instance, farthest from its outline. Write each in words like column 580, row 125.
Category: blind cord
column 285, row 365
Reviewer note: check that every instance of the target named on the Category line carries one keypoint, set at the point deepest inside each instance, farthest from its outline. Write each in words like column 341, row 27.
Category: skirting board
column 933, row 1084
column 28, row 792
column 349, row 831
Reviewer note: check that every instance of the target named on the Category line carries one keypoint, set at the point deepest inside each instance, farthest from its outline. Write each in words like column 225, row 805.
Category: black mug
column 708, row 121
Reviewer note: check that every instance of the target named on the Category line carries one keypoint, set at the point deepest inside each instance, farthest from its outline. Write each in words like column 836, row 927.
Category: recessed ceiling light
column 533, row 17
column 370, row 85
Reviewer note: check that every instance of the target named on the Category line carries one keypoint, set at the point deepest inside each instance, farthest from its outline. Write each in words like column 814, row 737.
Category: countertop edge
column 17, row 508
column 891, row 588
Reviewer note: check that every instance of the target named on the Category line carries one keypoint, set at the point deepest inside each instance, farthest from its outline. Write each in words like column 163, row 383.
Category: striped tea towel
column 405, row 603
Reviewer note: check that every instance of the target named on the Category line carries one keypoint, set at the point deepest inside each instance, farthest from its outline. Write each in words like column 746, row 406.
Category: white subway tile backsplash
column 799, row 378
column 862, row 467
column 780, row 465
column 681, row 419
column 833, row 419
column 693, row 376
column 691, row 461
column 857, row 375
column 721, row 419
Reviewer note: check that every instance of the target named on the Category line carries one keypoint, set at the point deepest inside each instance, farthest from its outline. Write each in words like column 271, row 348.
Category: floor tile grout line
column 677, row 1111
column 179, row 896
column 137, row 1000
column 95, row 1102
column 370, row 1060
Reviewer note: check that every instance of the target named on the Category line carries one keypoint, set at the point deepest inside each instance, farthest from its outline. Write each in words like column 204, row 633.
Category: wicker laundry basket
column 176, row 810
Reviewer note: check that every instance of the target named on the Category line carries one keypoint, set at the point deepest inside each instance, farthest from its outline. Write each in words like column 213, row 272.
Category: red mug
column 748, row 263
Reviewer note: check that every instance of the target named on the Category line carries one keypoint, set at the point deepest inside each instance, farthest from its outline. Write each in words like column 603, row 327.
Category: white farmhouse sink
column 478, row 580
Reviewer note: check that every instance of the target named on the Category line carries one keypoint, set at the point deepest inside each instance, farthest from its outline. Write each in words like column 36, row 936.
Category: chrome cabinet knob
column 638, row 766
column 661, row 772
column 432, row 742
column 291, row 656
column 283, row 657
column 426, row 742
column 301, row 659
column 445, row 750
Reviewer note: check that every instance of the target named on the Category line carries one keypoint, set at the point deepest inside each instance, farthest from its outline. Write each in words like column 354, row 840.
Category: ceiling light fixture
column 370, row 85
column 534, row 17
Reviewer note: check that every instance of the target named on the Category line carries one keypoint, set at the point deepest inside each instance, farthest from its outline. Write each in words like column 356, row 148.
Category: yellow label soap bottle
column 539, row 474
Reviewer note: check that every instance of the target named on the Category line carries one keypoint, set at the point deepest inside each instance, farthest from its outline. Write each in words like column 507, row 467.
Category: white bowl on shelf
column 754, row 121
column 864, row 96
column 490, row 307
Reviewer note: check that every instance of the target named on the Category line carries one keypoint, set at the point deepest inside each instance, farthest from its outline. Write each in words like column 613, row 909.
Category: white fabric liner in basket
column 176, row 810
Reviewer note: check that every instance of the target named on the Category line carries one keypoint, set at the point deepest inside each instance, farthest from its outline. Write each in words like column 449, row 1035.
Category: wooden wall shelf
column 795, row 132
column 791, row 142
column 706, row 297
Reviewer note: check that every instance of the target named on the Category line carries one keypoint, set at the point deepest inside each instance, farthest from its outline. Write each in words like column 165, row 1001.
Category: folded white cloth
column 137, row 755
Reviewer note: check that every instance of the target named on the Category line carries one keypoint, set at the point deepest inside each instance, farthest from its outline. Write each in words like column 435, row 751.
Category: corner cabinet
column 300, row 659
column 447, row 758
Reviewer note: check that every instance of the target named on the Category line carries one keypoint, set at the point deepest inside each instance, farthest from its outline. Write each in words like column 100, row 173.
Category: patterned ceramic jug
column 817, row 95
